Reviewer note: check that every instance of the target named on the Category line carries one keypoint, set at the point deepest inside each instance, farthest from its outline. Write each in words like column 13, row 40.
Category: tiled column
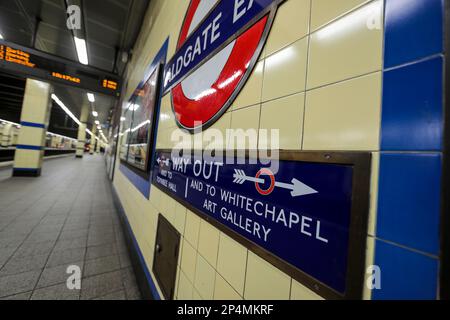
column 6, row 135
column 82, row 132
column 93, row 140
column 34, row 123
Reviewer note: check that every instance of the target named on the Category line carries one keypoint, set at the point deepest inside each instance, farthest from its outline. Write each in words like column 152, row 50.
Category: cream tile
column 188, row 261
column 276, row 284
column 232, row 262
column 290, row 13
column 285, row 115
column 224, row 291
column 196, row 296
column 166, row 115
column 177, row 282
column 192, row 228
column 300, row 292
column 185, row 288
column 370, row 258
column 285, row 71
column 246, row 119
column 214, row 138
column 180, row 218
column 168, row 207
column 204, row 278
column 180, row 252
column 374, row 193
column 344, row 116
column 251, row 92
column 155, row 196
column 208, row 244
column 346, row 48
column 324, row 11
column 179, row 139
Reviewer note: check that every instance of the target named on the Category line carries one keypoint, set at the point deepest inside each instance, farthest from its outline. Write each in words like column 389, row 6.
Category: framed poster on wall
column 139, row 125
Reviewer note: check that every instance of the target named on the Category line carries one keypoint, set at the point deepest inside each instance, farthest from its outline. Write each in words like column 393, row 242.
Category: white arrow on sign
column 166, row 162
column 297, row 187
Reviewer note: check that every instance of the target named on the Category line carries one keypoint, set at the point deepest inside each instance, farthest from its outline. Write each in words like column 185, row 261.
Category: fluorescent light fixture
column 66, row 110
column 95, row 113
column 99, row 128
column 1, row 37
column 122, row 119
column 97, row 122
column 80, row 45
column 91, row 97
column 69, row 113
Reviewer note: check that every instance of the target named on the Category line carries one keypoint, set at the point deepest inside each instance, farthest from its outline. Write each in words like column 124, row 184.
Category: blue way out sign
column 301, row 215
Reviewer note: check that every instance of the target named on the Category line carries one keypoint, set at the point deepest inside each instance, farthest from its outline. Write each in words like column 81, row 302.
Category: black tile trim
column 445, row 196
column 32, row 173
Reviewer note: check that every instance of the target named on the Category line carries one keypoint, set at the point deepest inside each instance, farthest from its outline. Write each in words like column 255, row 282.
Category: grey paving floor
column 66, row 218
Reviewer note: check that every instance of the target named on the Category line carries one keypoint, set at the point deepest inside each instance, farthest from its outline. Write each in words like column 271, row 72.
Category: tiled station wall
column 346, row 75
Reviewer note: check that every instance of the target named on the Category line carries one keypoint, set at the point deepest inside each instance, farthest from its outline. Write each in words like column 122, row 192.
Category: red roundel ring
column 202, row 97
column 268, row 173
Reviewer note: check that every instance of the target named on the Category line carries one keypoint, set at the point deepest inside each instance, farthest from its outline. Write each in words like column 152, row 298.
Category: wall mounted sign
column 32, row 63
column 218, row 47
column 309, row 219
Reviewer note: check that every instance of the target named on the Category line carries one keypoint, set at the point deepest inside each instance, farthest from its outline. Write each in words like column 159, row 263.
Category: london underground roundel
column 219, row 45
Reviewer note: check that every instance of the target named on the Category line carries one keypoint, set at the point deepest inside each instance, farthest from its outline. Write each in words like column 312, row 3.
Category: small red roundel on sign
column 207, row 91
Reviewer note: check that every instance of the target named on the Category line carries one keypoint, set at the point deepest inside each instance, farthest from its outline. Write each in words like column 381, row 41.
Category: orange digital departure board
column 66, row 77
column 109, row 84
column 15, row 56
column 32, row 63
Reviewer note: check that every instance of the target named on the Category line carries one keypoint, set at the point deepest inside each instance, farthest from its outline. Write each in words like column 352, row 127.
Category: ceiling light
column 122, row 119
column 97, row 122
column 91, row 97
column 1, row 37
column 80, row 45
column 66, row 110
column 95, row 113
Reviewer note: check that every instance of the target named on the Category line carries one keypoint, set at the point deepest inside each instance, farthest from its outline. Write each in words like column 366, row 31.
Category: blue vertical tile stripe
column 414, row 30
column 409, row 200
column 413, row 115
column 405, row 274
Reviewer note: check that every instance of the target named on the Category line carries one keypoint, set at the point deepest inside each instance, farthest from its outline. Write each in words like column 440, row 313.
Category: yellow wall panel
column 346, row 48
column 286, row 115
column 324, row 11
column 288, row 63
column 231, row 263
column 264, row 281
column 282, row 33
column 344, row 116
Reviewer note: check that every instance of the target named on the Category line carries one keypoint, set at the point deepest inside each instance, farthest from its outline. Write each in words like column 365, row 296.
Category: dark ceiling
column 110, row 28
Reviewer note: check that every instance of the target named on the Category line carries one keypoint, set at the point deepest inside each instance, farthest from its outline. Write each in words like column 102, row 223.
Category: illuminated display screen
column 36, row 64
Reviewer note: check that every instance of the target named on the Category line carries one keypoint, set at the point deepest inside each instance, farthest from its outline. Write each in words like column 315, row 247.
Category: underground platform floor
column 66, row 218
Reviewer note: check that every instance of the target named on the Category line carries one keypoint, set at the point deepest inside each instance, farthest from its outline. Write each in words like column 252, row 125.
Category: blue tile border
column 150, row 281
column 405, row 274
column 413, row 30
column 28, row 147
column 413, row 113
column 409, row 200
column 445, row 220
column 143, row 185
column 33, row 125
